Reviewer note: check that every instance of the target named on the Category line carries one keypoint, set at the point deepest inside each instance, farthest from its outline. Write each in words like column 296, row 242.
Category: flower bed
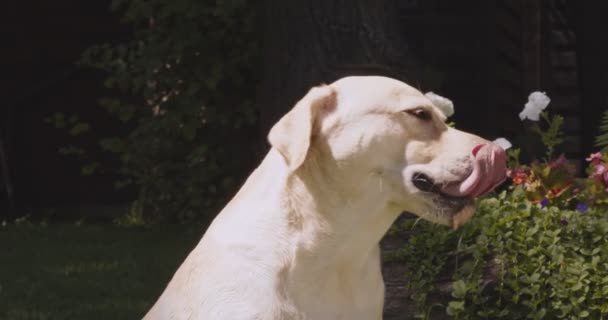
column 537, row 249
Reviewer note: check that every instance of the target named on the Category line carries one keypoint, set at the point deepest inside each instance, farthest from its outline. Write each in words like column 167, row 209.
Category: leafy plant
column 601, row 141
column 422, row 277
column 595, row 189
column 515, row 260
column 185, row 93
column 552, row 136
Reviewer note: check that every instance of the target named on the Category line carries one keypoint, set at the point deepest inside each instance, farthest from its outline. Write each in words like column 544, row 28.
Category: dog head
column 386, row 142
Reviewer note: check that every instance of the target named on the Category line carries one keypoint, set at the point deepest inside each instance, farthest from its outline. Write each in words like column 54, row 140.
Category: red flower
column 557, row 191
column 518, row 175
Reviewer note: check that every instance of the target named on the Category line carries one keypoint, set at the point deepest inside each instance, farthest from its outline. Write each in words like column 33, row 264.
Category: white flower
column 537, row 102
column 444, row 104
column 503, row 143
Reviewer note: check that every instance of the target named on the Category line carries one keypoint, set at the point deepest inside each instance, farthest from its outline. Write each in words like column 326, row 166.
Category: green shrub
column 185, row 80
column 601, row 141
column 514, row 260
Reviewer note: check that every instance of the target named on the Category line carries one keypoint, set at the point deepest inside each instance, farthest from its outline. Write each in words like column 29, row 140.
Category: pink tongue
column 489, row 170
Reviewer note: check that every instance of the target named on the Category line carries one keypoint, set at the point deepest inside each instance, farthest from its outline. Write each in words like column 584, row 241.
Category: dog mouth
column 454, row 199
column 457, row 209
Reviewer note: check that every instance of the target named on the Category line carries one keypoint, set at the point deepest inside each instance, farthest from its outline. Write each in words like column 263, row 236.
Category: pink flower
column 558, row 162
column 598, row 172
column 600, row 169
column 595, row 158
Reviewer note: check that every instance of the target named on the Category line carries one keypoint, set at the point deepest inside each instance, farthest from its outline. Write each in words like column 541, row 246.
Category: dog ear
column 291, row 136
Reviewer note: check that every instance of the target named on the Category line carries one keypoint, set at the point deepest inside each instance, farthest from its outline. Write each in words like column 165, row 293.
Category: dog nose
column 423, row 182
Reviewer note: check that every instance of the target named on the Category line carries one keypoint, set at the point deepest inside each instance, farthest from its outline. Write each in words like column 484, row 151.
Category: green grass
column 88, row 271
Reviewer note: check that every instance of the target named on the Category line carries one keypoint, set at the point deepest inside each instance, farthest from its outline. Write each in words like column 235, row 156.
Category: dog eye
column 421, row 114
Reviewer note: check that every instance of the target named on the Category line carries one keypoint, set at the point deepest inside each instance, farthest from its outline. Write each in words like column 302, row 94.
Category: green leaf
column 534, row 277
column 71, row 150
column 58, row 120
column 459, row 289
column 189, row 131
column 455, row 307
column 115, row 145
column 601, row 140
column 79, row 129
column 89, row 169
column 546, row 171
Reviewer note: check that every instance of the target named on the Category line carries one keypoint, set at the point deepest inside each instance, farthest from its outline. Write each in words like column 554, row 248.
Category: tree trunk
column 306, row 43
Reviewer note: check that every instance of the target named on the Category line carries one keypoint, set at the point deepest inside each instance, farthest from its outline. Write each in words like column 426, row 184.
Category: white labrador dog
column 300, row 239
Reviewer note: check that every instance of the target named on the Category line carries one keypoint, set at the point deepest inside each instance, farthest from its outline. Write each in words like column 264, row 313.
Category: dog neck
column 335, row 226
column 338, row 218
column 325, row 230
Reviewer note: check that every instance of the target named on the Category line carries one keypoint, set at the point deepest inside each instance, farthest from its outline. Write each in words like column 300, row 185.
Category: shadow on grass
column 88, row 271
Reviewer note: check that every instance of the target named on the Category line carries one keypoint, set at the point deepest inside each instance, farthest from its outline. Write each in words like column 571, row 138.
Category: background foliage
column 187, row 137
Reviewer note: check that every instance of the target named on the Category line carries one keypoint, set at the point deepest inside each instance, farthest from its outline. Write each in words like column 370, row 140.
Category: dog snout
column 423, row 182
column 489, row 170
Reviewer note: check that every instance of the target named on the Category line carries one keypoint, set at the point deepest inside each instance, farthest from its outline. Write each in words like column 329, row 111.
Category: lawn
column 87, row 271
